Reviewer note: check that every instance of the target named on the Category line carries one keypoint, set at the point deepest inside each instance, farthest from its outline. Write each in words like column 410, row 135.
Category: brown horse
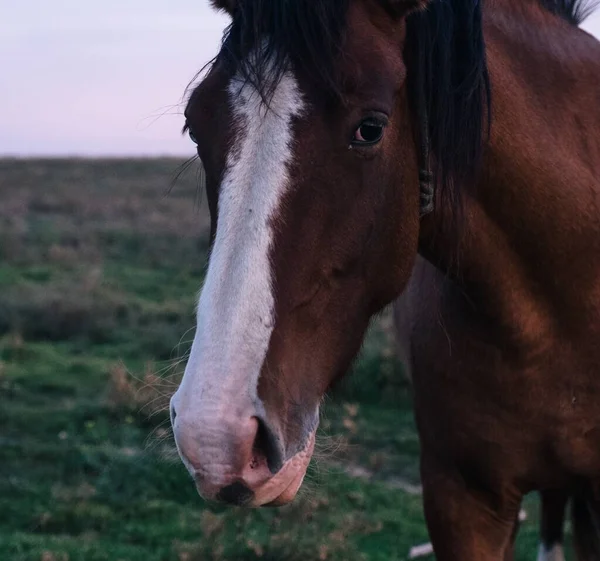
column 341, row 139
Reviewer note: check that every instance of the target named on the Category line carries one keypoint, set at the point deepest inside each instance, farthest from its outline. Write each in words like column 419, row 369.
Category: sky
column 104, row 78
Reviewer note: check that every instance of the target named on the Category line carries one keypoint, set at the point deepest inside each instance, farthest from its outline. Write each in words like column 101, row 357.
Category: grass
column 99, row 272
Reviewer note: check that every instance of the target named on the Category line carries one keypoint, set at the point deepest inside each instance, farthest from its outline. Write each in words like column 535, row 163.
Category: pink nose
column 228, row 458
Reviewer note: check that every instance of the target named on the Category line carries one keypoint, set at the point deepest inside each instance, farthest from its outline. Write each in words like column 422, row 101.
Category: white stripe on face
column 555, row 553
column 236, row 309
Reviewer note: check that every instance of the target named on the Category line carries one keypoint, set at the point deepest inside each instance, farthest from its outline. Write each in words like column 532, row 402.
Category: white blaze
column 236, row 308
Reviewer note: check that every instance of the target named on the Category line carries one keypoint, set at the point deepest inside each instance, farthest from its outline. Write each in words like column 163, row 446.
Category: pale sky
column 84, row 77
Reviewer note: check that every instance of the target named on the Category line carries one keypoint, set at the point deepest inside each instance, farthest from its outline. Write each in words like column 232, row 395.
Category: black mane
column 268, row 35
column 574, row 11
column 449, row 87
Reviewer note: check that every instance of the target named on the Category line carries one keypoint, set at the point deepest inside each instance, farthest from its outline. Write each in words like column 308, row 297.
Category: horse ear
column 402, row 8
column 225, row 5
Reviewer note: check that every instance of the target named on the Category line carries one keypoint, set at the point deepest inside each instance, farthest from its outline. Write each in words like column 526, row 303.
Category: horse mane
column 449, row 86
column 445, row 58
column 574, row 11
column 266, row 36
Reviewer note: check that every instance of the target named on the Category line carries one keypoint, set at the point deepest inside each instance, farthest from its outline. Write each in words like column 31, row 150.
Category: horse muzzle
column 239, row 459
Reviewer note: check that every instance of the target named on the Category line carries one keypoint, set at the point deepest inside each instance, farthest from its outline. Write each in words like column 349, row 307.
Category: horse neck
column 526, row 257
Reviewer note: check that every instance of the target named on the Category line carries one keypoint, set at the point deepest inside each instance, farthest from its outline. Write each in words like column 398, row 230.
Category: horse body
column 324, row 126
column 503, row 347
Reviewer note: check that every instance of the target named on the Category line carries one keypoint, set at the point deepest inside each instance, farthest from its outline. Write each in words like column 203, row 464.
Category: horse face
column 315, row 209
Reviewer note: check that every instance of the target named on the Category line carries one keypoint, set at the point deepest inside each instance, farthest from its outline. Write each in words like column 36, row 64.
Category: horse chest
column 541, row 407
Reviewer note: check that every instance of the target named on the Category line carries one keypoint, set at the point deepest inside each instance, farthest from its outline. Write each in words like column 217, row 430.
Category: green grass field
column 99, row 271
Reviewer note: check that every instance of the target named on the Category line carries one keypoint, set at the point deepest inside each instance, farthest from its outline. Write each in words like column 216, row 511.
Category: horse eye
column 192, row 136
column 369, row 133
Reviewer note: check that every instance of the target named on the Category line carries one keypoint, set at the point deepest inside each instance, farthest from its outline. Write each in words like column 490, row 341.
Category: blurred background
column 103, row 237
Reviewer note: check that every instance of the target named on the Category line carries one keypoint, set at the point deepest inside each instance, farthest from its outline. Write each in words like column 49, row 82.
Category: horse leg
column 509, row 553
column 466, row 525
column 586, row 528
column 553, row 509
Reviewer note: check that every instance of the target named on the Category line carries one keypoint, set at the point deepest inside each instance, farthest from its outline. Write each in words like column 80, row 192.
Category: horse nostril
column 173, row 413
column 267, row 446
column 236, row 494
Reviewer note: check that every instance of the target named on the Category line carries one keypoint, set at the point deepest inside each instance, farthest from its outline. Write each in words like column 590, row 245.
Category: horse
column 440, row 154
